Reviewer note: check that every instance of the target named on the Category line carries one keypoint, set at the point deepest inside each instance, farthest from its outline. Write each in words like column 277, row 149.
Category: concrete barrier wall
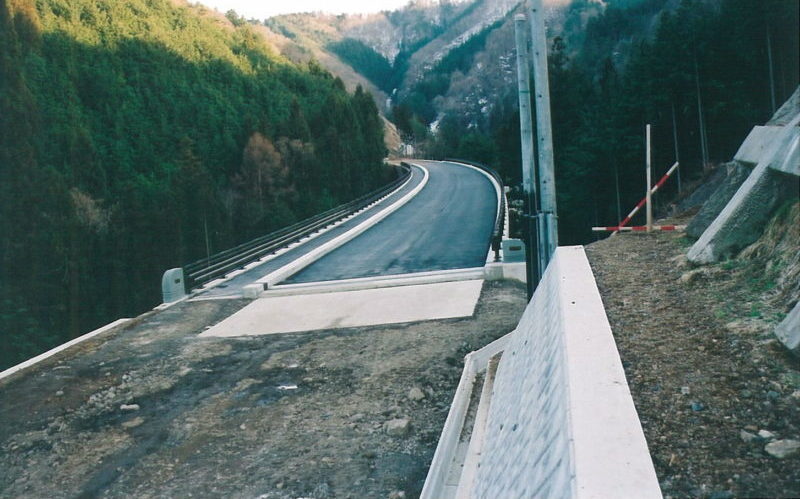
column 562, row 421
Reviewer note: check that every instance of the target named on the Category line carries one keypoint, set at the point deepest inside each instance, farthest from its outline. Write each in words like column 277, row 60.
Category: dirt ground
column 153, row 411
column 706, row 373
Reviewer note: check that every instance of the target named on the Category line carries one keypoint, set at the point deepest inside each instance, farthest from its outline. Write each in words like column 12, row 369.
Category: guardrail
column 217, row 265
column 497, row 233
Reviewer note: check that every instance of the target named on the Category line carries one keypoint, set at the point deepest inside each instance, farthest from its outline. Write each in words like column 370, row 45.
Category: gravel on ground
column 152, row 410
column 718, row 396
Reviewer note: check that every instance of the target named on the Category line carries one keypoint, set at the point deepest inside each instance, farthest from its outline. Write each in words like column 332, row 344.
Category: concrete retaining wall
column 561, row 422
column 776, row 149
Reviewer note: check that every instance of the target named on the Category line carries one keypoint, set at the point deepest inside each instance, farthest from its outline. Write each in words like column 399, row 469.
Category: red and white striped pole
column 638, row 228
column 655, row 188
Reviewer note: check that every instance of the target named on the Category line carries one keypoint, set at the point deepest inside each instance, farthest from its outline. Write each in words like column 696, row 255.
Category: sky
column 261, row 9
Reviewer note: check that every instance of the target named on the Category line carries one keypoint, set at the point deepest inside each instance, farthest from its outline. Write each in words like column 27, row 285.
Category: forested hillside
column 139, row 135
column 701, row 72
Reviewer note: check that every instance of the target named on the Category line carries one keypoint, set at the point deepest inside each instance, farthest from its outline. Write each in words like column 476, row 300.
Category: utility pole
column 526, row 138
column 547, row 182
column 649, row 199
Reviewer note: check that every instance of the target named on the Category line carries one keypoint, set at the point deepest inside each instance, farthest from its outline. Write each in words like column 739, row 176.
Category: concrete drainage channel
column 546, row 411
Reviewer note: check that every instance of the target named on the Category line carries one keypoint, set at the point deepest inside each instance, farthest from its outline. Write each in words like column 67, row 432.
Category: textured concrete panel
column 757, row 143
column 788, row 331
column 735, row 174
column 788, row 110
column 288, row 314
column 561, row 421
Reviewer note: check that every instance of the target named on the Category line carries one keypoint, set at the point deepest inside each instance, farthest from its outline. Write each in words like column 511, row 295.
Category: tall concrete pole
column 526, row 139
column 544, row 132
column 525, row 119
column 649, row 176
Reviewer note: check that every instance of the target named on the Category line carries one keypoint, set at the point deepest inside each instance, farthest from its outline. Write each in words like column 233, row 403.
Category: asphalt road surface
column 233, row 287
column 448, row 225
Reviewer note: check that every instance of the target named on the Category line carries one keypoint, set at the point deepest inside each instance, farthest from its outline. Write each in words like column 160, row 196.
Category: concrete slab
column 290, row 314
column 788, row 331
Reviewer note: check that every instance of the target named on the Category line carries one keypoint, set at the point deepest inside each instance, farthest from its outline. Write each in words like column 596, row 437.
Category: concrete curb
column 376, row 282
column 292, row 268
column 28, row 363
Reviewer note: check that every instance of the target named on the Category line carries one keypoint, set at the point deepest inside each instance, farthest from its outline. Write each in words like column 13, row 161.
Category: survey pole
column 544, row 133
column 526, row 139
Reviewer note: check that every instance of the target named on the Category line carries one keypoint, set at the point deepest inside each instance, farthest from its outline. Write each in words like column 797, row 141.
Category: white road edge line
column 289, row 269
column 60, row 348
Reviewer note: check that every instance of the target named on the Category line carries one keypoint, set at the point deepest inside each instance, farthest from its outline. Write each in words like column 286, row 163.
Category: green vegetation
column 136, row 136
column 365, row 60
column 636, row 62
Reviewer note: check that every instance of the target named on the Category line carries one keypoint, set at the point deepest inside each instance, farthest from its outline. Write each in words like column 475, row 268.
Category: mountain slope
column 137, row 136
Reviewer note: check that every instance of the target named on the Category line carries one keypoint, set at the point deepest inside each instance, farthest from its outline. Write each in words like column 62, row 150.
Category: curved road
column 232, row 288
column 448, row 225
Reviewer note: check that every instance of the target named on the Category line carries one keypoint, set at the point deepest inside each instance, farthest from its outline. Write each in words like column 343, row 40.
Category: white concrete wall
column 562, row 422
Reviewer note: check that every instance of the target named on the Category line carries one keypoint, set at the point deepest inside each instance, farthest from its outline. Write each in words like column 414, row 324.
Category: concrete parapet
column 788, row 331
column 561, row 422
column 743, row 219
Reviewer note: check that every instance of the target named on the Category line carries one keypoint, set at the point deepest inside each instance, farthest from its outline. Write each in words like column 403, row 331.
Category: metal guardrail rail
column 217, row 265
column 497, row 233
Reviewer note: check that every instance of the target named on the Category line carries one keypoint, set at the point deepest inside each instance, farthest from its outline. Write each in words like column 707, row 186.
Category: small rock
column 242, row 426
column 60, row 393
column 279, row 485
column 133, row 423
column 747, row 437
column 397, row 494
column 129, row 407
column 745, row 394
column 357, row 417
column 697, row 406
column 782, row 448
column 685, row 390
column 766, row 435
column 397, row 427
column 773, row 395
column 416, row 394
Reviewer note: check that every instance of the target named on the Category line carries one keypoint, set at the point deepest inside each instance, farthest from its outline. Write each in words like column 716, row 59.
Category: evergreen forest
column 141, row 135
column 702, row 73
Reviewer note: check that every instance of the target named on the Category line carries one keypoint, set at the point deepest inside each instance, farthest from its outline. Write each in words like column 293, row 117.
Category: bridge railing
column 497, row 233
column 217, row 265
